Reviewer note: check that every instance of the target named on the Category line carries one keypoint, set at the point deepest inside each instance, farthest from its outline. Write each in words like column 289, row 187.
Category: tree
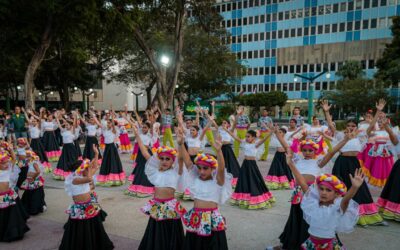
column 354, row 92
column 267, row 100
column 389, row 64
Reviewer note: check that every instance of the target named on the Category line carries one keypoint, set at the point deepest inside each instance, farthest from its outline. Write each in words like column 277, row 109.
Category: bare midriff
column 164, row 193
column 349, row 153
column 250, row 158
column 4, row 187
column 193, row 151
column 81, row 197
column 204, row 204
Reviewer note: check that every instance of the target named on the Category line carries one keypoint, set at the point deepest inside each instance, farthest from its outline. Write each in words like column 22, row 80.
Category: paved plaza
column 126, row 224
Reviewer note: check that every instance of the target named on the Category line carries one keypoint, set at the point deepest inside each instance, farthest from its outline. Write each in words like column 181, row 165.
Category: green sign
column 190, row 108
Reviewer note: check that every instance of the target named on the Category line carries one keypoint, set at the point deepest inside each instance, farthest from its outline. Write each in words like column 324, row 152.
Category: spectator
column 18, row 121
column 296, row 115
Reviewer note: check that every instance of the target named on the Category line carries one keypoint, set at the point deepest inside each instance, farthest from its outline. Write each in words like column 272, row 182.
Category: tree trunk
column 148, row 93
column 34, row 64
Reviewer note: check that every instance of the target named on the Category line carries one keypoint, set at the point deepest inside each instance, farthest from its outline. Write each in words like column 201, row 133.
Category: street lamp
column 90, row 93
column 164, row 60
column 137, row 99
column 311, row 80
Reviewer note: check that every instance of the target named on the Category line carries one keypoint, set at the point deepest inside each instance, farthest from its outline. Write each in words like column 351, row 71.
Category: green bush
column 340, row 125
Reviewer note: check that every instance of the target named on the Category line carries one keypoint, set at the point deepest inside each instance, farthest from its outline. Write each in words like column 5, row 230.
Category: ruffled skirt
column 126, row 146
column 69, row 155
column 88, row 152
column 279, row 175
column 231, row 163
column 368, row 211
column 377, row 164
column 33, row 196
column 78, row 148
column 389, row 200
column 37, row 147
column 51, row 146
column 251, row 192
column 111, row 171
column 322, row 244
column 141, row 186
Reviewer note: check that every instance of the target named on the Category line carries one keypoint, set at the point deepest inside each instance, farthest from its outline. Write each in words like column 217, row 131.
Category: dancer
column 125, row 143
column 389, row 200
column 209, row 185
column 69, row 153
column 141, row 186
column 12, row 215
column 49, row 140
column 33, row 196
column 164, row 229
column 22, row 163
column 78, row 130
column 166, row 127
column 251, row 192
column 264, row 122
column 35, row 143
column 242, row 123
column 91, row 138
column 208, row 131
column 111, row 171
column 346, row 164
column 309, row 163
column 327, row 207
column 379, row 161
column 279, row 175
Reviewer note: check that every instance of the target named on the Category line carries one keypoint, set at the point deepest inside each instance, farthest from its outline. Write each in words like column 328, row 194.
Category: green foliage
column 389, row 64
column 350, row 71
column 340, row 125
column 269, row 99
column 225, row 111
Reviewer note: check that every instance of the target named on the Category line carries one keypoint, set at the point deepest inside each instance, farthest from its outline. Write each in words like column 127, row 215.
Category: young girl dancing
column 91, row 138
column 49, row 140
column 346, row 164
column 209, row 186
column 111, row 171
column 84, row 229
column 164, row 229
column 69, row 153
column 327, row 207
column 12, row 215
column 251, row 192
column 33, row 196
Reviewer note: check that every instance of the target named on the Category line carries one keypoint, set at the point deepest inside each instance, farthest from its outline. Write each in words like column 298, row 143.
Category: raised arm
column 139, row 141
column 183, row 154
column 203, row 132
column 261, row 142
column 233, row 135
column 379, row 107
column 299, row 177
column 356, row 183
column 221, row 162
column 392, row 136
column 329, row 155
column 326, row 107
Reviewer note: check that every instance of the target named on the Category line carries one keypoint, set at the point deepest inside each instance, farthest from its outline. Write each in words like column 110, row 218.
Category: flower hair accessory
column 167, row 151
column 4, row 144
column 84, row 165
column 4, row 157
column 32, row 155
column 332, row 182
column 206, row 160
column 309, row 144
column 21, row 141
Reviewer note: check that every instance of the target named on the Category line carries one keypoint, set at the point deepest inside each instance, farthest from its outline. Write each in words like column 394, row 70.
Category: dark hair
column 252, row 133
column 297, row 107
column 352, row 121
column 147, row 123
column 283, row 130
column 314, row 117
column 75, row 165
column 265, row 110
column 196, row 127
column 169, row 110
column 293, row 120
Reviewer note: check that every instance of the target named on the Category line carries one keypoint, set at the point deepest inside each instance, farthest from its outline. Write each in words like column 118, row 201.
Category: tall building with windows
column 276, row 39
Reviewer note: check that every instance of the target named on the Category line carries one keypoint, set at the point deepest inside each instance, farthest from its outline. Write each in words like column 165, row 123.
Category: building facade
column 276, row 39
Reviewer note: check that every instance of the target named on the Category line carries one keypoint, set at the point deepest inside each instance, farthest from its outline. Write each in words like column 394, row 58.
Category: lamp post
column 137, row 99
column 311, row 80
column 45, row 93
column 91, row 92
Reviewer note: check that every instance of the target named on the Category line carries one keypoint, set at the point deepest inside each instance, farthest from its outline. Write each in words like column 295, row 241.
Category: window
column 239, row 5
column 250, row 37
column 328, row 9
column 335, row 8
column 358, row 4
column 371, row 64
column 273, row 71
column 266, row 70
column 307, row 12
column 317, row 86
column 373, row 23
column 350, row 6
column 383, row 2
column 234, row 23
column 256, row 19
column 298, row 68
column 250, row 54
column 293, row 14
column 255, row 71
column 292, row 32
column 321, row 10
column 312, row 68
column 364, row 64
column 291, row 69
column 274, row 17
column 228, row 7
column 268, row 18
column 334, row 28
column 285, row 86
column 320, row 29
column 305, row 70
column 349, row 26
column 245, row 4
column 260, row 87
column 262, row 36
column 280, row 33
column 300, row 13
column 327, row 28
column 299, row 31
column 287, row 15
column 280, row 16
column 357, row 25
column 261, row 70
column 375, row 3
column 313, row 11
column 313, row 29
column 332, row 67
column 279, row 87
column 245, row 38
column 285, row 69
column 234, row 39
column 365, row 24
column 382, row 22
column 266, row 87
column 279, row 70
column 298, row 84
column 251, row 3
column 272, row 87
column 223, row 8
column 250, row 20
column 325, row 86
column 273, row 52
column 245, row 21
column 273, row 35
column 268, row 36
column 342, row 27
column 286, row 33
column 262, row 19
column 261, row 53
column 306, row 31
column 256, row 37
column 255, row 54
column 366, row 4
column 228, row 23
column 318, row 68
column 304, row 86
column 343, row 7
column 239, row 22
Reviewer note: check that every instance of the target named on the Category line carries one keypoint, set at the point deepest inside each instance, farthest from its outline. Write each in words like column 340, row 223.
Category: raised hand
column 179, row 135
column 217, row 144
column 289, row 157
column 358, row 178
column 325, row 105
column 380, row 105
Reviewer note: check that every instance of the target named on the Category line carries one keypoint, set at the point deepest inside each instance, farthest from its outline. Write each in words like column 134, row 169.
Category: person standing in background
column 18, row 121
column 264, row 122
column 296, row 115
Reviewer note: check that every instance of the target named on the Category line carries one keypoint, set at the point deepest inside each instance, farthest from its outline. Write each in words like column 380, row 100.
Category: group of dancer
column 324, row 202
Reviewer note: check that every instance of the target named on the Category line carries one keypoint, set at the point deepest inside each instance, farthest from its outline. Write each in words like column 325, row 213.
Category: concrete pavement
column 126, row 224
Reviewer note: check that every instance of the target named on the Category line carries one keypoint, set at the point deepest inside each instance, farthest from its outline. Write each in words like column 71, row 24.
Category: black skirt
column 140, row 160
column 12, row 223
column 141, row 186
column 58, row 135
column 216, row 241
column 389, row 199
column 33, row 201
column 22, row 176
column 231, row 162
column 279, row 175
column 345, row 165
column 78, row 147
column 50, row 142
column 162, row 235
column 85, row 235
column 88, row 150
column 68, row 156
column 111, row 171
column 296, row 229
column 251, row 192
column 38, row 148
